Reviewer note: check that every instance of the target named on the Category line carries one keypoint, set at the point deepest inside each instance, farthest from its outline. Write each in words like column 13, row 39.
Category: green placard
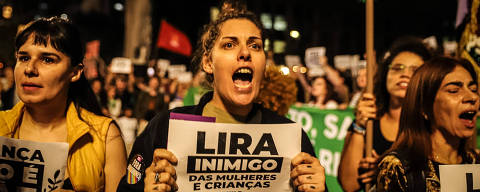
column 327, row 130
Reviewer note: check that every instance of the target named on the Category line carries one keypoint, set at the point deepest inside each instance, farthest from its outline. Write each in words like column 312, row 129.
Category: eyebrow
column 456, row 83
column 236, row 39
column 472, row 83
column 51, row 55
column 44, row 54
column 405, row 65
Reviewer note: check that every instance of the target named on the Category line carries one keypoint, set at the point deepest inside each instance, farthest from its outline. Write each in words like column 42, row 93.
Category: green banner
column 327, row 130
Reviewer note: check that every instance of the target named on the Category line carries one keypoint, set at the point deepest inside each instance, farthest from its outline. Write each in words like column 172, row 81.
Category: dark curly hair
column 211, row 32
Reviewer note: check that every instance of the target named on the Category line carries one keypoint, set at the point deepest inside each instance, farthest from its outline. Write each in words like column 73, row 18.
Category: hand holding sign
column 307, row 173
column 161, row 175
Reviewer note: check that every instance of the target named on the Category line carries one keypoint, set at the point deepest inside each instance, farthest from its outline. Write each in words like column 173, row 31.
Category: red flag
column 173, row 39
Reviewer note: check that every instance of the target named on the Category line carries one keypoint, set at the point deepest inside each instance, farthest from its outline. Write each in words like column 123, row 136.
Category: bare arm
column 351, row 155
column 338, row 82
column 115, row 160
column 131, row 81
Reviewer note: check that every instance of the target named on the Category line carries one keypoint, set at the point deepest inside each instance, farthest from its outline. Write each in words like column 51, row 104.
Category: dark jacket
column 156, row 133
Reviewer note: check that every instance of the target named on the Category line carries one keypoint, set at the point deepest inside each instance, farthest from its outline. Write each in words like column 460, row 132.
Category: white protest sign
column 175, row 70
column 312, row 56
column 431, row 42
column 361, row 64
column 450, row 47
column 233, row 157
column 460, row 177
column 344, row 62
column 162, row 65
column 185, row 77
column 121, row 65
column 32, row 166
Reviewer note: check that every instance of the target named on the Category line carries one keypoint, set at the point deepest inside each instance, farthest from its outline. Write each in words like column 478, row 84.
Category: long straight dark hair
column 62, row 35
column 415, row 130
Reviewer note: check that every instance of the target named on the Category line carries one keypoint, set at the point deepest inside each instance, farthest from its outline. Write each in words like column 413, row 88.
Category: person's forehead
column 458, row 74
column 235, row 27
column 406, row 57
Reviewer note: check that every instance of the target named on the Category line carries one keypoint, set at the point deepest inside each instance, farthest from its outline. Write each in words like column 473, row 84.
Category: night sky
column 336, row 24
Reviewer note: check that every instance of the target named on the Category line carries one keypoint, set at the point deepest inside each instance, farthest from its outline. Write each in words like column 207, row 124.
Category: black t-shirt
column 155, row 136
column 380, row 143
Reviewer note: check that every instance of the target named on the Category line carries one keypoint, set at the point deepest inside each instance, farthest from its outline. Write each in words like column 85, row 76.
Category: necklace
column 438, row 159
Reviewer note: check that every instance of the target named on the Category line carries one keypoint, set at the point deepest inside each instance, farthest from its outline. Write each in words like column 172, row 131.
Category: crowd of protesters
column 133, row 100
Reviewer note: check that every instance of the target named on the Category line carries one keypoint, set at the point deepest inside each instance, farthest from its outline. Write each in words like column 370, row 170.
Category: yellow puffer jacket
column 86, row 139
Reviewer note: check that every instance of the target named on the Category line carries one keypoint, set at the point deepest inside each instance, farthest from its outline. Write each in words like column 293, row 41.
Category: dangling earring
column 425, row 116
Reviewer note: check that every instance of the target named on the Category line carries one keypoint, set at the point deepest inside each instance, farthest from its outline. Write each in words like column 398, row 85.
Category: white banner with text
column 32, row 166
column 233, row 157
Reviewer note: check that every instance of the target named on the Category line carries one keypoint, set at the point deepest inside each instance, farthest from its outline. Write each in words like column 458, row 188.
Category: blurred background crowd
column 139, row 52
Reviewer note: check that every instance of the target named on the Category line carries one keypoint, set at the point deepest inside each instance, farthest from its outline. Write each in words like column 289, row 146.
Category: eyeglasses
column 400, row 68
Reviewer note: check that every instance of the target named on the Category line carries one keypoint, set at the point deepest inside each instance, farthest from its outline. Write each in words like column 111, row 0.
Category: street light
column 294, row 34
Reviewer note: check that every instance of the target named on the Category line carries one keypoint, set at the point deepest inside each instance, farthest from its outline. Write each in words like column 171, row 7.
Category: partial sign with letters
column 312, row 56
column 121, row 65
column 327, row 130
column 175, row 70
column 233, row 157
column 460, row 178
column 32, row 166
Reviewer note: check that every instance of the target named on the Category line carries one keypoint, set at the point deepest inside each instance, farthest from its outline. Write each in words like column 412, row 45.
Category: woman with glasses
column 438, row 116
column 384, row 106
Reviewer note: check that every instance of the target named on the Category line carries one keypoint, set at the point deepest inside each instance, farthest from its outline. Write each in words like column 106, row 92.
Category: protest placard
column 327, row 130
column 233, row 157
column 121, row 65
column 185, row 77
column 460, row 178
column 175, row 70
column 32, row 166
column 162, row 66
column 312, row 56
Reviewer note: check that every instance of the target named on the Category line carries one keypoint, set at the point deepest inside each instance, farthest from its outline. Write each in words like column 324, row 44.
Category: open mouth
column 467, row 118
column 468, row 115
column 242, row 78
column 403, row 84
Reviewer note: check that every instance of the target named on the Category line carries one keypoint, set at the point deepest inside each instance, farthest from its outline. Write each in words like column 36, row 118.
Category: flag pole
column 370, row 72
